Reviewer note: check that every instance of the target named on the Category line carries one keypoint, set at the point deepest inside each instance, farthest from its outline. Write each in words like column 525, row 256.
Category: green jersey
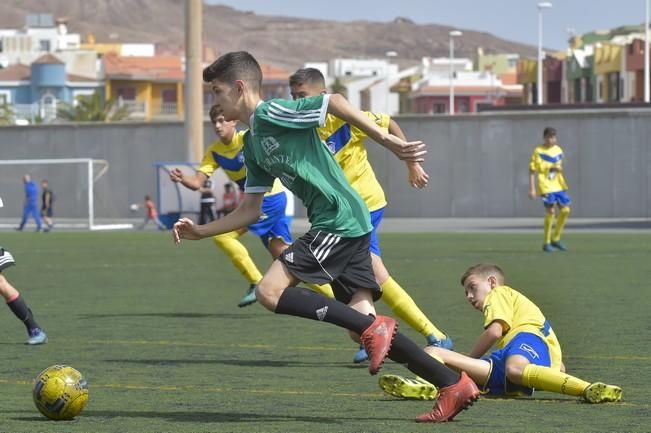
column 284, row 144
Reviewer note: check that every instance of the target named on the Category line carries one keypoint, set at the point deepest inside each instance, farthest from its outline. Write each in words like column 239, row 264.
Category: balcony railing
column 166, row 109
column 136, row 108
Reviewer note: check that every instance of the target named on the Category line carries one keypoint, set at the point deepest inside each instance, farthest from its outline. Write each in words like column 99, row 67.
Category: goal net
column 74, row 182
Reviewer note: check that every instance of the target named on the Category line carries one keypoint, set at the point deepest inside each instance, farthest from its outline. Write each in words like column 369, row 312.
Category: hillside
column 282, row 41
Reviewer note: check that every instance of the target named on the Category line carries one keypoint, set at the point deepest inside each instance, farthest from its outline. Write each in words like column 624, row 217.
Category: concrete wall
column 478, row 164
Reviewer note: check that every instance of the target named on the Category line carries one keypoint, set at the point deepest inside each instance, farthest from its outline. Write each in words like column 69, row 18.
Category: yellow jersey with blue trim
column 518, row 314
column 348, row 145
column 547, row 163
column 230, row 157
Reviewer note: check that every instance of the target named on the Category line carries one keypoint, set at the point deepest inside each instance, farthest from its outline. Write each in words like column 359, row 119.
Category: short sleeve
column 208, row 164
column 533, row 161
column 498, row 306
column 257, row 179
column 303, row 113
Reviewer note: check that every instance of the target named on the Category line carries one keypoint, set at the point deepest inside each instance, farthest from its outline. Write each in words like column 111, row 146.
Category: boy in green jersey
column 283, row 143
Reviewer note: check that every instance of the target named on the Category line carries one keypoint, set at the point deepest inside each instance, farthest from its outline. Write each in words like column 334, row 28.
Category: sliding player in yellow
column 273, row 226
column 528, row 354
column 347, row 144
column 547, row 166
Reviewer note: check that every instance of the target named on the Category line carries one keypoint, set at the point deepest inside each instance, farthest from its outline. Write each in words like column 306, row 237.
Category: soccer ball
column 133, row 207
column 60, row 392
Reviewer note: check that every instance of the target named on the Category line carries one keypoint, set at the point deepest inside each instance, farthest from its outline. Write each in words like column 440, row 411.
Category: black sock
column 296, row 301
column 20, row 310
column 405, row 351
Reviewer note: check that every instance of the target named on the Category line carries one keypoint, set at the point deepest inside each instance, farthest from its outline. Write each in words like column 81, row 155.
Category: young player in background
column 272, row 228
column 283, row 143
column 347, row 144
column 30, row 207
column 546, row 170
column 47, row 200
column 528, row 354
column 151, row 214
column 206, row 202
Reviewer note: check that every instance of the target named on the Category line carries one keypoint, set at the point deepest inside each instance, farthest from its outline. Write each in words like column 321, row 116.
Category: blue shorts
column 560, row 198
column 525, row 344
column 273, row 222
column 376, row 219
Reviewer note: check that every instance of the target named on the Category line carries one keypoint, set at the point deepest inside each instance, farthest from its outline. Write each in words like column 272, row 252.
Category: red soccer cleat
column 377, row 340
column 452, row 400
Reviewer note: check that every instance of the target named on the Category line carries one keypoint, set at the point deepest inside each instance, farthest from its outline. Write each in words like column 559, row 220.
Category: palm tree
column 6, row 114
column 92, row 109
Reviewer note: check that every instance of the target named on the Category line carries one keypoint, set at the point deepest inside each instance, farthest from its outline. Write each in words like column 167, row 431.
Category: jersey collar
column 252, row 118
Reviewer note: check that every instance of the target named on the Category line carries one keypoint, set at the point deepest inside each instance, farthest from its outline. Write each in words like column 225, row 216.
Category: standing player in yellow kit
column 546, row 166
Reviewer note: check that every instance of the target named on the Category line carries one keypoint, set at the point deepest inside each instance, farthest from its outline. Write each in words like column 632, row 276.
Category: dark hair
column 147, row 197
column 484, row 270
column 236, row 65
column 549, row 132
column 214, row 112
column 307, row 76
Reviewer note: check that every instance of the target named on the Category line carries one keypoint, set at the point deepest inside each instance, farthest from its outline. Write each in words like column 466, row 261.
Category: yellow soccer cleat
column 412, row 389
column 602, row 393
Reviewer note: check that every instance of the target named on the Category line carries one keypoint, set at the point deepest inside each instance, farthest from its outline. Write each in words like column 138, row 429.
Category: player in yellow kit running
column 546, row 166
column 273, row 226
column 347, row 144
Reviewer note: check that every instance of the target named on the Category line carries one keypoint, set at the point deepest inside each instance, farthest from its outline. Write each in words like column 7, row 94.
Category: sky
column 515, row 20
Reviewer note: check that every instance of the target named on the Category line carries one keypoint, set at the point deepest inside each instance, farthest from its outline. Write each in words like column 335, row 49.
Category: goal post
column 81, row 196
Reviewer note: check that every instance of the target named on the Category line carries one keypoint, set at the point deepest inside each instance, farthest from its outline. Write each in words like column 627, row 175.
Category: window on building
column 168, row 95
column 44, row 44
column 5, row 98
column 126, row 93
column 439, row 108
column 463, row 106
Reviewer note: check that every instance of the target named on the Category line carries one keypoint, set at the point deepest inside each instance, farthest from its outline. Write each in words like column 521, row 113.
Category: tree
column 92, row 109
column 6, row 114
column 339, row 87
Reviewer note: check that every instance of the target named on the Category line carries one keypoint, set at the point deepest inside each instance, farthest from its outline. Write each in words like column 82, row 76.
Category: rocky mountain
column 281, row 41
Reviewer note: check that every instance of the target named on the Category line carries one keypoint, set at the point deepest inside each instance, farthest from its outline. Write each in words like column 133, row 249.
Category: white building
column 41, row 34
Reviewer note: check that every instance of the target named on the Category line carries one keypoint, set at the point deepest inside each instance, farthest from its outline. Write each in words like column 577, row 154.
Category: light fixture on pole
column 647, row 84
column 539, row 83
column 453, row 34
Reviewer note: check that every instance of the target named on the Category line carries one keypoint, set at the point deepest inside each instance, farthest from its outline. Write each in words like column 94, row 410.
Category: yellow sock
column 405, row 308
column 239, row 255
column 560, row 223
column 324, row 289
column 549, row 220
column 548, row 379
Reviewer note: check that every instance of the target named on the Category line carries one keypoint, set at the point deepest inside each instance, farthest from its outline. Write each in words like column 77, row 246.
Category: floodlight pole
column 647, row 84
column 453, row 34
column 540, row 85
column 193, row 79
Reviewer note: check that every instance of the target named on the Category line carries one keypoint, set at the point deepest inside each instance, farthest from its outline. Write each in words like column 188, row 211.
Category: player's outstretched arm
column 491, row 334
column 193, row 182
column 408, row 151
column 418, row 178
column 246, row 214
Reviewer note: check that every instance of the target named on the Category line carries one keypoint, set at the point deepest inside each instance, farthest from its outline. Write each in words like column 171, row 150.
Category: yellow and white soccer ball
column 60, row 392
